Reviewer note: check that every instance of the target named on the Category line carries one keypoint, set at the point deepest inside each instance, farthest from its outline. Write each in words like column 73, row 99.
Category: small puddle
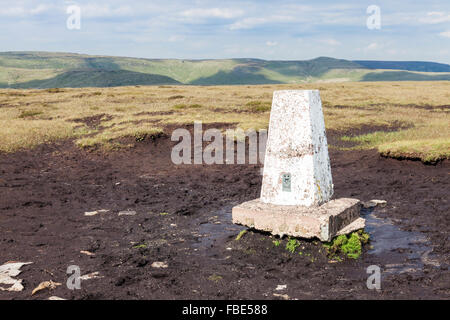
column 403, row 251
column 217, row 228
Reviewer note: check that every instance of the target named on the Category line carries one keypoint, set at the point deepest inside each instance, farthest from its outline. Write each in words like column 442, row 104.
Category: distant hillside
column 51, row 70
column 420, row 66
column 97, row 78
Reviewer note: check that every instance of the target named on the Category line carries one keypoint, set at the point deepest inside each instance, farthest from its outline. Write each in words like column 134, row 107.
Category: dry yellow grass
column 32, row 117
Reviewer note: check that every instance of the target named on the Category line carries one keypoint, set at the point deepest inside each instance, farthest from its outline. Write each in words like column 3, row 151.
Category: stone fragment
column 45, row 285
column 7, row 273
column 159, row 265
column 127, row 213
column 94, row 213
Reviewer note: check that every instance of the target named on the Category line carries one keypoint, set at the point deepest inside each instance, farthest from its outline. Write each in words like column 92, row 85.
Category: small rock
column 93, row 213
column 87, row 253
column 283, row 296
column 374, row 203
column 45, row 285
column 55, row 298
column 281, row 287
column 7, row 273
column 127, row 213
column 89, row 276
column 159, row 265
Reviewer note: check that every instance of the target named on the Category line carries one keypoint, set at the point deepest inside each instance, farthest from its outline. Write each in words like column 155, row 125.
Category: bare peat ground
column 183, row 219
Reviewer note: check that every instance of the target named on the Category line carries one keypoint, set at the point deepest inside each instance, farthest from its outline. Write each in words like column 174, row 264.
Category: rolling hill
column 52, row 70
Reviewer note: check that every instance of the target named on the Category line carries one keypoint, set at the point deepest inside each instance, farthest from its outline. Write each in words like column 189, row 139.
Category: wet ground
column 183, row 218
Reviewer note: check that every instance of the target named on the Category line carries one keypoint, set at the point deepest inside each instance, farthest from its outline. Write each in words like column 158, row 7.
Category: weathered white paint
column 297, row 145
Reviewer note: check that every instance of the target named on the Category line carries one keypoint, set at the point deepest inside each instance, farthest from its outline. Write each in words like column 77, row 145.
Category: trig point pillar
column 297, row 183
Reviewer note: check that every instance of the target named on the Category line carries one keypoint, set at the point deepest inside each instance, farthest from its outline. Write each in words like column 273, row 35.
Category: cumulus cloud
column 373, row 46
column 249, row 23
column 330, row 42
column 221, row 13
column 175, row 38
column 12, row 11
column 436, row 17
column 105, row 11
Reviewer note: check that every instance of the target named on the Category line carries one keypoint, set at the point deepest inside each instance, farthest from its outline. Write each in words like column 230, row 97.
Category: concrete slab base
column 336, row 217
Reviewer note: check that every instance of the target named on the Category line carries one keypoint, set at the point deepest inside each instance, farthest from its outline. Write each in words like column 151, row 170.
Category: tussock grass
column 259, row 106
column 31, row 117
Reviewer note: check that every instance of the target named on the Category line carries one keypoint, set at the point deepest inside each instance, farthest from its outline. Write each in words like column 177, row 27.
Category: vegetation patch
column 140, row 246
column 241, row 234
column 350, row 246
column 175, row 97
column 29, row 114
column 292, row 245
column 259, row 106
column 55, row 90
column 215, row 278
column 186, row 106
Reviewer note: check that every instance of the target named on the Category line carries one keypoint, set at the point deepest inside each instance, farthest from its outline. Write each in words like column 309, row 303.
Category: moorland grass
column 419, row 111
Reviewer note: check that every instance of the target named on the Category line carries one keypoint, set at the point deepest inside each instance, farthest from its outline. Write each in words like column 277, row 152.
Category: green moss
column 292, row 245
column 352, row 248
column 140, row 246
column 351, row 245
column 241, row 234
column 276, row 243
column 215, row 278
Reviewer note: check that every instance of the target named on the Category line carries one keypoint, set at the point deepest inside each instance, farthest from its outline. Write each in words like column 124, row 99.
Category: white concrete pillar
column 297, row 166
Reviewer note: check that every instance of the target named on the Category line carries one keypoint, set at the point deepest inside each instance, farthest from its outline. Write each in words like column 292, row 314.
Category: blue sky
column 278, row 30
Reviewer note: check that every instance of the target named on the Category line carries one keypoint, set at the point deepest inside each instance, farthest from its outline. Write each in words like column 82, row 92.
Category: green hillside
column 51, row 70
column 97, row 78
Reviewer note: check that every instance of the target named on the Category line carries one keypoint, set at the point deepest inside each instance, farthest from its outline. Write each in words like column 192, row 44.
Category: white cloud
column 330, row 42
column 176, row 38
column 271, row 43
column 40, row 9
column 222, row 13
column 436, row 17
column 105, row 11
column 445, row 34
column 12, row 12
column 249, row 23
column 373, row 46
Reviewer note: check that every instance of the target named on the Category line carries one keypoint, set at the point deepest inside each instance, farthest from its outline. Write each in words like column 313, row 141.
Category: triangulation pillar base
column 340, row 216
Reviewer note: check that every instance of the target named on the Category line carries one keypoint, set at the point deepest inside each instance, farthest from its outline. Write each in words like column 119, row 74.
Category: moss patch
column 350, row 245
column 292, row 245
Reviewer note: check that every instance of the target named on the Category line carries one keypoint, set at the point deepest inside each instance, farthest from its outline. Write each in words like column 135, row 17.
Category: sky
column 272, row 30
